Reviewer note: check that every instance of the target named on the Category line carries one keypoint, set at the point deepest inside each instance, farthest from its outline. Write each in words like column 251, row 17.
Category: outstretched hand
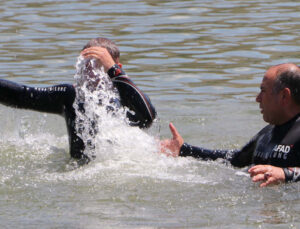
column 267, row 174
column 172, row 146
column 100, row 54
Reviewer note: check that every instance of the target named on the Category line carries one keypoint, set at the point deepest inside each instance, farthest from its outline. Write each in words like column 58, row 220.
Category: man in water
column 274, row 153
column 59, row 99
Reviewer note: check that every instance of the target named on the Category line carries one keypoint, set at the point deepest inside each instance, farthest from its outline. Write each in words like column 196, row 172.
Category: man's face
column 269, row 101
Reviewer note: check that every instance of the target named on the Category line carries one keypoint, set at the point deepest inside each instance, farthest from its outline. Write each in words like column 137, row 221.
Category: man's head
column 279, row 97
column 105, row 43
column 98, row 52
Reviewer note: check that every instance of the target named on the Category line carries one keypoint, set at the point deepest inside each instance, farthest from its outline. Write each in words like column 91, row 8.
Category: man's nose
column 258, row 98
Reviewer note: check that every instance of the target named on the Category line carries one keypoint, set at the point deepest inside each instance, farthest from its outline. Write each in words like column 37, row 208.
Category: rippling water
column 201, row 62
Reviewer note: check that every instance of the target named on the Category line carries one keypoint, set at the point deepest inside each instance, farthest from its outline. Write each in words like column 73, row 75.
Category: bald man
column 274, row 153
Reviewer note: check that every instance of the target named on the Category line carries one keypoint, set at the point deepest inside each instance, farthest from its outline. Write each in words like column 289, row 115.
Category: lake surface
column 201, row 63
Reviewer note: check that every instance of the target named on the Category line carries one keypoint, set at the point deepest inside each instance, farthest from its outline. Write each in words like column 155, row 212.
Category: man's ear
column 286, row 96
column 118, row 63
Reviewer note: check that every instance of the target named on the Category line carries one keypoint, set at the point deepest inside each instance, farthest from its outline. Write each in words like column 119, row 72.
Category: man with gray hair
column 274, row 153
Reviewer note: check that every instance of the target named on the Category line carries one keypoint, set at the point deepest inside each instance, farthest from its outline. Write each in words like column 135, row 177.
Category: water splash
column 101, row 120
column 122, row 153
column 95, row 103
column 119, row 149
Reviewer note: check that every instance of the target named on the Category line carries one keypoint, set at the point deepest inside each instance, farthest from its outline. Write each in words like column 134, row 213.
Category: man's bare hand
column 100, row 54
column 172, row 146
column 267, row 174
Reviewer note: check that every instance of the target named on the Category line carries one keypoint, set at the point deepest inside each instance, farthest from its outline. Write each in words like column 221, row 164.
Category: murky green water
column 201, row 63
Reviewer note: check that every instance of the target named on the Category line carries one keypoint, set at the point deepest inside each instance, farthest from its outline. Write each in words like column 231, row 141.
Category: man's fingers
column 90, row 55
column 267, row 174
column 97, row 53
column 258, row 177
column 173, row 130
column 257, row 170
column 269, row 181
column 100, row 54
column 94, row 49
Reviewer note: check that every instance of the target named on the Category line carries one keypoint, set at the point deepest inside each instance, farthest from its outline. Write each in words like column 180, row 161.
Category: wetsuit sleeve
column 292, row 174
column 238, row 158
column 45, row 99
column 199, row 152
column 133, row 98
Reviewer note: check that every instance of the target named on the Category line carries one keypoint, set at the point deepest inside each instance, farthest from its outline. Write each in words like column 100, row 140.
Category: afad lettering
column 281, row 151
column 282, row 148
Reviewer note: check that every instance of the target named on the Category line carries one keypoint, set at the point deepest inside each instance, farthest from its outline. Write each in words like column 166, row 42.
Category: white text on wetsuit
column 281, row 151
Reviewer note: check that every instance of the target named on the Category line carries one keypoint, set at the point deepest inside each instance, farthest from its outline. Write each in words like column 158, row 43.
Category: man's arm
column 176, row 145
column 46, row 99
column 267, row 174
column 133, row 98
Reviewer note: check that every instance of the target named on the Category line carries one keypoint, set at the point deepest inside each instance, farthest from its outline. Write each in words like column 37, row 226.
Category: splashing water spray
column 101, row 122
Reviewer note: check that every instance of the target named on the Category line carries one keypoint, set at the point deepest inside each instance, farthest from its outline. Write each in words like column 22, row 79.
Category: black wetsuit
column 59, row 99
column 273, row 145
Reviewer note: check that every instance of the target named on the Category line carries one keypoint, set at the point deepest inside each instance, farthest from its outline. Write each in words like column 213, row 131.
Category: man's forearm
column 199, row 152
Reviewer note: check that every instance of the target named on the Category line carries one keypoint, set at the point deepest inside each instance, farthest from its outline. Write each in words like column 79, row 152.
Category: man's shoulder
column 295, row 129
column 293, row 135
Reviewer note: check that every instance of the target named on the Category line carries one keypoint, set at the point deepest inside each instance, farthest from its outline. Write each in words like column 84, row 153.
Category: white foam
column 121, row 151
